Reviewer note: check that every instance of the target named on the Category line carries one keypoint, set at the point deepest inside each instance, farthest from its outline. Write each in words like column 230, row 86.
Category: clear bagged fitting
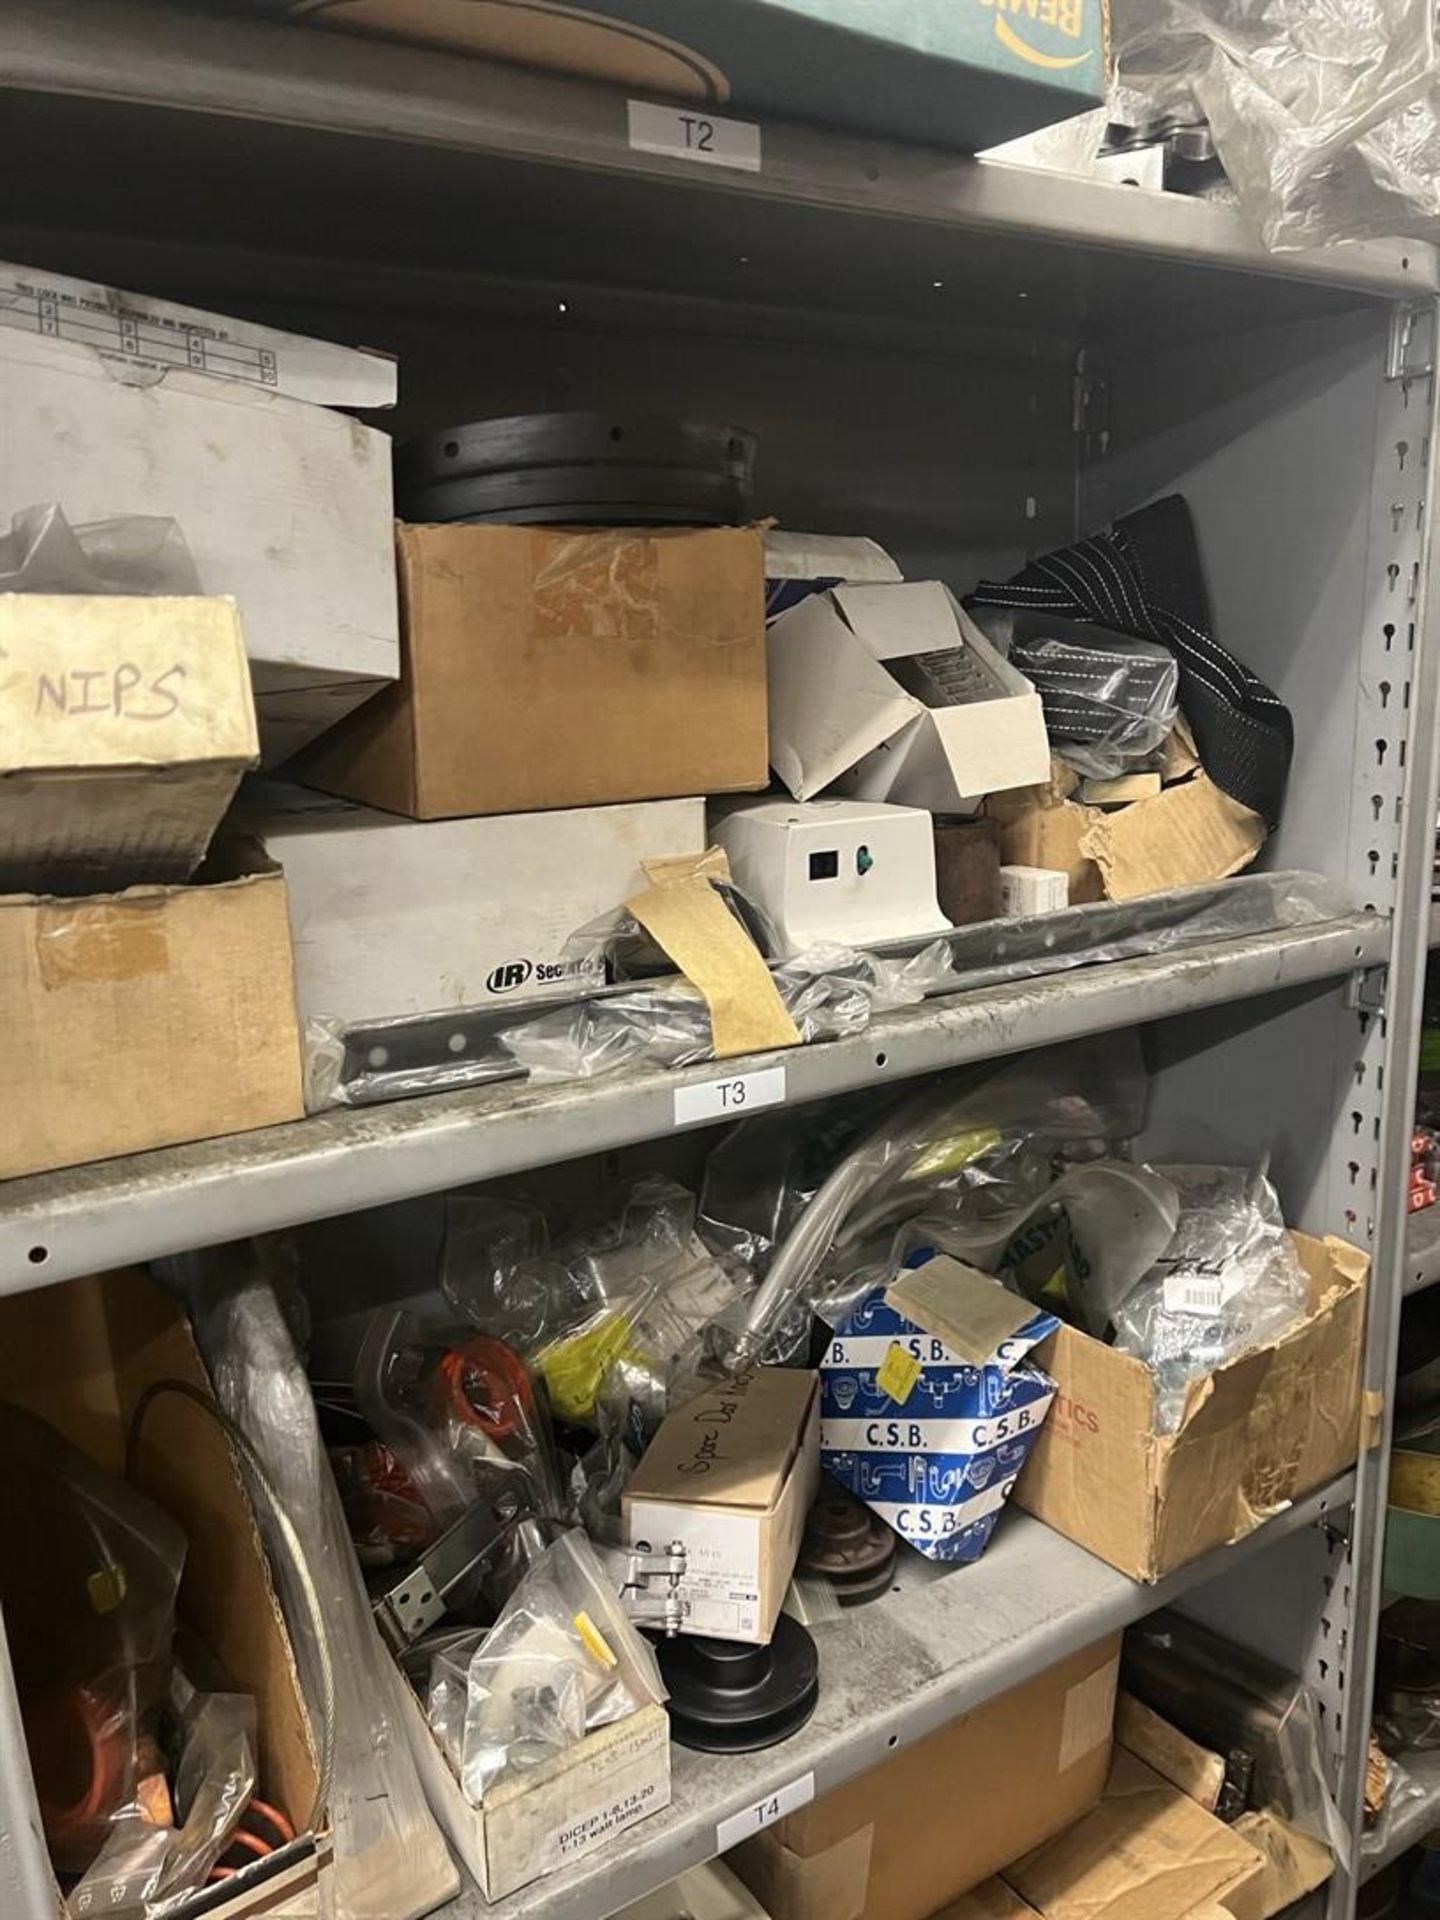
column 1109, row 699
column 141, row 553
column 561, row 1660
column 616, row 947
column 156, row 1858
column 1229, row 1281
column 1324, row 114
column 1088, row 1090
column 390, row 1861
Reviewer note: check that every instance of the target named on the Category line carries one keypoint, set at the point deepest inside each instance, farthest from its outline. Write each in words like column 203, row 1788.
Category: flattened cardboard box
column 1146, row 1850
column 125, row 725
column 186, row 995
column 119, row 1333
column 556, row 1813
column 732, row 1474
column 1269, row 1427
column 551, row 667
column 1007, row 1776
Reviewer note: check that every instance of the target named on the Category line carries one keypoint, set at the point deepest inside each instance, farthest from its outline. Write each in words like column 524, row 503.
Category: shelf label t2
column 695, row 135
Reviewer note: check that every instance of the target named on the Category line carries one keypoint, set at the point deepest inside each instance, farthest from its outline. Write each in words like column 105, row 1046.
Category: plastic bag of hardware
column 141, row 554
column 829, row 993
column 1230, row 1280
column 157, row 1857
column 390, row 1861
column 1109, row 699
column 1087, row 1091
column 1325, row 117
column 561, row 1660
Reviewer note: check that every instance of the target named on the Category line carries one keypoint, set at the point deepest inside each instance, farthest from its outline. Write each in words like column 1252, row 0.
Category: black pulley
column 729, row 1698
column 847, row 1545
column 589, row 469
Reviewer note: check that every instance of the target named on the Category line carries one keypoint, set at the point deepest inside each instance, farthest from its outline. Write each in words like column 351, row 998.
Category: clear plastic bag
column 561, row 1660
column 141, row 554
column 1229, row 1281
column 1109, row 700
column 1091, row 1089
column 390, row 1861
column 1325, row 113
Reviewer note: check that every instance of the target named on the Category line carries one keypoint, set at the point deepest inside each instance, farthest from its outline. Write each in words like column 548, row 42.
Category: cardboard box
column 1146, row 1849
column 897, row 1842
column 125, row 725
column 732, row 1474
column 892, row 692
column 962, row 75
column 553, row 667
column 1187, row 834
column 556, row 1813
column 115, row 403
column 118, row 1333
column 390, row 917
column 1026, row 890
column 928, row 1406
column 1272, row 1425
column 144, row 1018
column 710, row 1892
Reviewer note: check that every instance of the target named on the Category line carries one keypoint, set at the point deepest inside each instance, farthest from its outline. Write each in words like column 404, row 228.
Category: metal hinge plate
column 1410, row 353
column 1365, row 990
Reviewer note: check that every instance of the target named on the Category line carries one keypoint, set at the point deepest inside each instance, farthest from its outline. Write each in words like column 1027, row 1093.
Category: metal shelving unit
column 1017, row 358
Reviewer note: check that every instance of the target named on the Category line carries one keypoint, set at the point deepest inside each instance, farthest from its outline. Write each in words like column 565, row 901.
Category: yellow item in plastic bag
column 573, row 1365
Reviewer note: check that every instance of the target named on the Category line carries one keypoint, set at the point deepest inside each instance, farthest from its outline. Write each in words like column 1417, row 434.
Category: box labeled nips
column 731, row 1475
column 929, row 1407
column 391, row 918
column 563, row 667
column 116, row 404
column 125, row 725
column 891, row 692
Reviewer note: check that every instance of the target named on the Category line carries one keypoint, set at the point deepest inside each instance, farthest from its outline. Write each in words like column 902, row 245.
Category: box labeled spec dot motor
column 929, row 1406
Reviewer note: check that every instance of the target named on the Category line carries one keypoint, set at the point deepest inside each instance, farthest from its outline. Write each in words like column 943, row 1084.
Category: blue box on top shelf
column 928, row 1419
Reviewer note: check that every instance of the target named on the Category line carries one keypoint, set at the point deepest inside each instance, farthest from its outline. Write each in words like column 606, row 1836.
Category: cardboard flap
column 1185, row 836
column 1194, row 1769
column 710, row 947
column 813, row 743
column 1295, row 1864
column 1145, row 1853
column 970, row 1311
column 891, row 621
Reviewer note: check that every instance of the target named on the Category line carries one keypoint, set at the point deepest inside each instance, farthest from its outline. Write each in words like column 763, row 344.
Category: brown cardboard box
column 117, row 1333
column 921, row 1829
column 554, row 667
column 1272, row 1425
column 125, row 725
column 144, row 1018
column 1186, row 835
column 1145, row 1853
column 991, row 1900
column 732, row 1474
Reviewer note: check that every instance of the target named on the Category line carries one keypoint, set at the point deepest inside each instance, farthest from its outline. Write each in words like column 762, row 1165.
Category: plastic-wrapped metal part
column 1324, row 113
column 140, row 554
column 390, row 1861
column 1229, row 1281
column 612, row 1030
column 1109, row 699
column 561, row 1660
column 1086, row 1090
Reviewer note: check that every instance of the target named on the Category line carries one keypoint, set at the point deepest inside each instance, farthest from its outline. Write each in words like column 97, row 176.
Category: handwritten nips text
column 124, row 690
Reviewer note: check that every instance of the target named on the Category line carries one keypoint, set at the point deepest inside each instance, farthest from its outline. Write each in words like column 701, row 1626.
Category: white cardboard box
column 391, row 916
column 556, row 1813
column 125, row 725
column 113, row 403
column 841, row 717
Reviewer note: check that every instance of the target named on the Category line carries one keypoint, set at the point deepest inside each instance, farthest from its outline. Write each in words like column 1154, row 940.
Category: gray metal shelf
column 892, row 1672
column 1422, row 1250
column 1413, row 1821
column 85, row 1219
